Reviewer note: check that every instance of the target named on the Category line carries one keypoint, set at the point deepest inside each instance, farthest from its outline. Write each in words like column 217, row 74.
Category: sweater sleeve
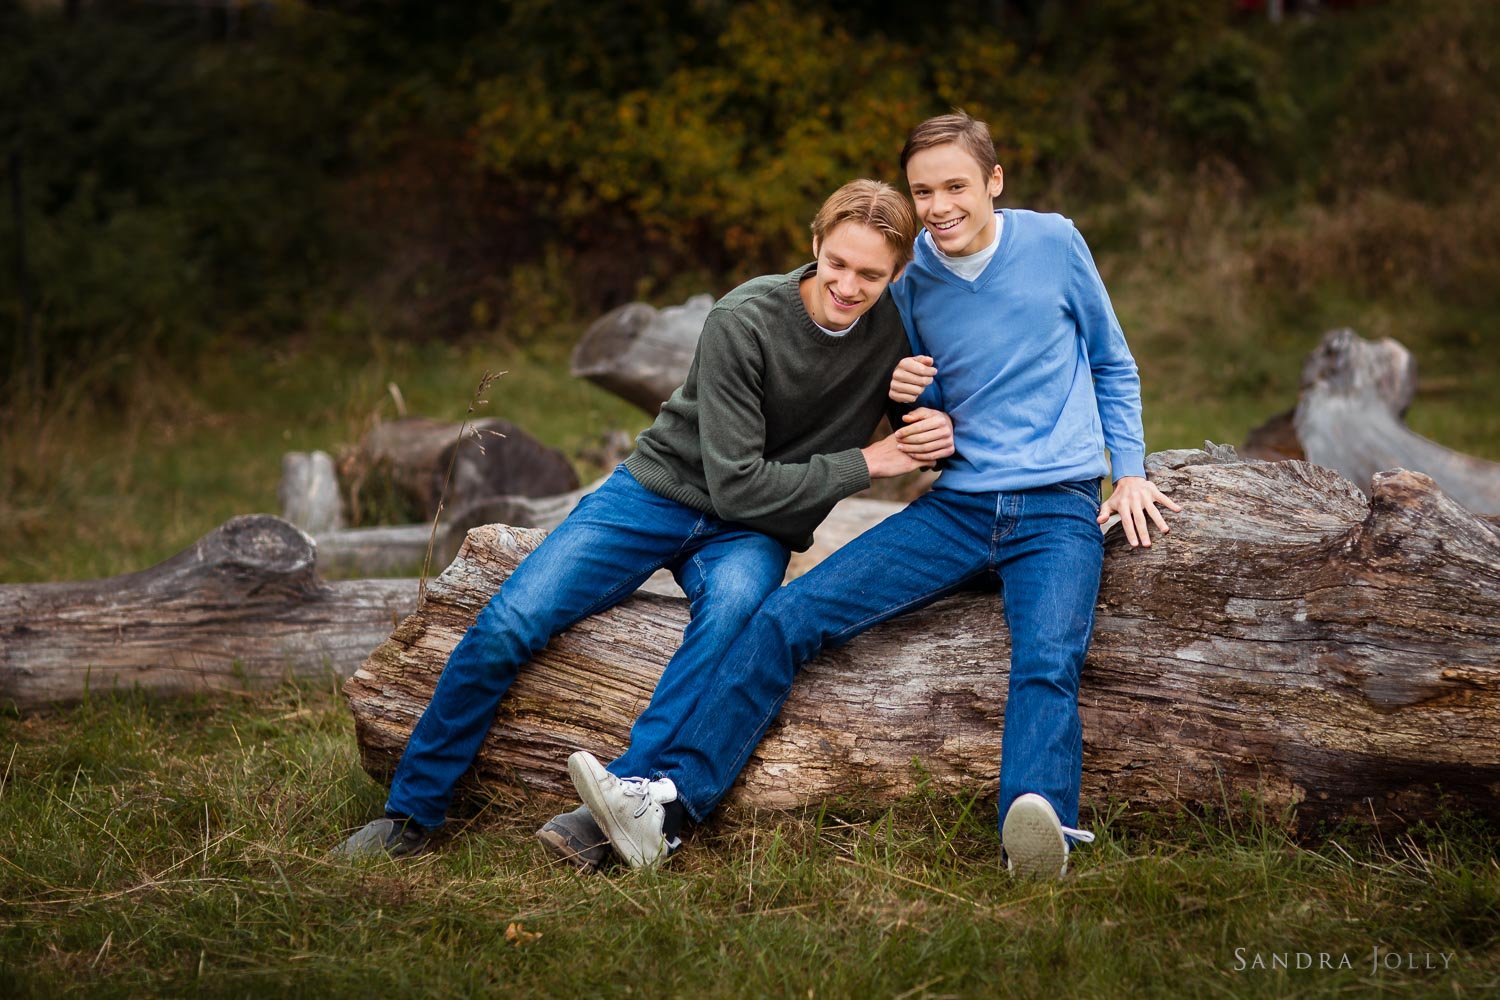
column 902, row 292
column 1117, row 383
column 742, row 484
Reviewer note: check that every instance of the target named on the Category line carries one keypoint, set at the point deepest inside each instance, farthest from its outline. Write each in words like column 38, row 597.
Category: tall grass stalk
column 488, row 379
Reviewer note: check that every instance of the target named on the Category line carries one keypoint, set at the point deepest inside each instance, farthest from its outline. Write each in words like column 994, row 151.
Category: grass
column 97, row 484
column 154, row 849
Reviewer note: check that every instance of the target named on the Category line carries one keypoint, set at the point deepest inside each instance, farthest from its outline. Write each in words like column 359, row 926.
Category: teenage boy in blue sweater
column 1014, row 332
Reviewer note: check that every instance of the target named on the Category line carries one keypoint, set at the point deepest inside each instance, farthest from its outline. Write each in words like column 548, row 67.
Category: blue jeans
column 613, row 540
column 1047, row 550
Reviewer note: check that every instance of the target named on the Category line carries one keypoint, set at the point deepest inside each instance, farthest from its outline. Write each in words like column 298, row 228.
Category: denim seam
column 614, row 597
column 742, row 755
column 855, row 629
column 1009, row 519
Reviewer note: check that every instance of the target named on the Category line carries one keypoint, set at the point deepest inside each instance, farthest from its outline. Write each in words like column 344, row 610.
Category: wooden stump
column 309, row 492
column 1290, row 639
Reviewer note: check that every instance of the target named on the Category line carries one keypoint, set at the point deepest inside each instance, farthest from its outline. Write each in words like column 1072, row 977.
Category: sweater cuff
column 1128, row 463
column 852, row 472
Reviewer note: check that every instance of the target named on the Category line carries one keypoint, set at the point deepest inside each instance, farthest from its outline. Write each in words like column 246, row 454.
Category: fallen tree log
column 242, row 608
column 402, row 548
column 1290, row 639
column 641, row 353
column 420, row 462
column 1350, row 418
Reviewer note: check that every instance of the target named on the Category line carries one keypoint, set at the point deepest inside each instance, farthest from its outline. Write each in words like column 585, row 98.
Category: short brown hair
column 970, row 134
column 875, row 204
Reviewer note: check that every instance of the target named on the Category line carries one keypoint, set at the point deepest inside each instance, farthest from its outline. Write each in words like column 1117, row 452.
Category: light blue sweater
column 1032, row 364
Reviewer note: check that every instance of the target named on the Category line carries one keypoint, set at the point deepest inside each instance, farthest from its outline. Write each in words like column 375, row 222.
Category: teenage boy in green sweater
column 788, row 382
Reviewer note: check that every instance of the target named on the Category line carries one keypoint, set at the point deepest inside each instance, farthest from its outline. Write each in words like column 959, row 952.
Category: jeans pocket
column 1086, row 488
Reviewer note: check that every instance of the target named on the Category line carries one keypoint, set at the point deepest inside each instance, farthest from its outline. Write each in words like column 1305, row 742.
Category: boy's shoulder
column 765, row 291
column 1040, row 225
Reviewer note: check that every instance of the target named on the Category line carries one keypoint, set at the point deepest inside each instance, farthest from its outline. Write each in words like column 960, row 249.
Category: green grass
column 98, row 485
column 152, row 849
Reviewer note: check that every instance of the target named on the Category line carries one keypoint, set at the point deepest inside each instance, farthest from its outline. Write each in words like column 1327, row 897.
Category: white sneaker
column 628, row 809
column 1035, row 841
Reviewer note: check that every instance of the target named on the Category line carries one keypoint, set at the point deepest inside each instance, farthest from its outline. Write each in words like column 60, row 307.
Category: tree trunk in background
column 411, row 457
column 1290, row 639
column 35, row 375
column 241, row 608
column 1348, row 418
column 641, row 353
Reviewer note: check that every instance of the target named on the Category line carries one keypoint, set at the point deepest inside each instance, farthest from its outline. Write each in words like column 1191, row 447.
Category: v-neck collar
column 983, row 278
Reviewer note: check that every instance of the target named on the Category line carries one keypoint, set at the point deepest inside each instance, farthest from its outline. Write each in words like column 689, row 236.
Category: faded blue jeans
column 613, row 540
column 1047, row 551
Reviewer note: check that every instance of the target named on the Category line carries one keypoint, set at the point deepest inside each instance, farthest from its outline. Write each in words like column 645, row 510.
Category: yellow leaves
column 519, row 936
column 742, row 137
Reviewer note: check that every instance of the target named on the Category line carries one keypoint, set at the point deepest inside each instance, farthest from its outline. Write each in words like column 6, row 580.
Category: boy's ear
column 816, row 243
column 899, row 272
column 997, row 181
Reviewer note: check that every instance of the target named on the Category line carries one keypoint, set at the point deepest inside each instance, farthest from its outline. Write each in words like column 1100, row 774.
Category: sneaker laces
column 1082, row 836
column 638, row 788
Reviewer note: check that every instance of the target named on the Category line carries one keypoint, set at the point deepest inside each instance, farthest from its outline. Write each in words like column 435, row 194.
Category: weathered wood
column 398, row 549
column 402, row 548
column 309, row 492
column 1348, row 418
column 1289, row 639
column 641, row 353
column 241, row 608
column 412, row 457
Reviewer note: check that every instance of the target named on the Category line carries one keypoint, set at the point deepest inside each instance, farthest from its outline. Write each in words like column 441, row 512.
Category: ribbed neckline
column 793, row 285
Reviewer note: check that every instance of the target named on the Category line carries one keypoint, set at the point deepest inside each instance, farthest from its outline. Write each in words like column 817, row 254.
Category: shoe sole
column 560, row 847
column 586, row 783
column 1033, row 841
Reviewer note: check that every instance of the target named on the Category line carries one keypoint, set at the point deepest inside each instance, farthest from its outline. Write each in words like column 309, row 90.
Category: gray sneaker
column 384, row 838
column 575, row 838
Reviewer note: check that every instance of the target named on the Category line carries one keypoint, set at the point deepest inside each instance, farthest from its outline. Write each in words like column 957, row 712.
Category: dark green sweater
column 766, row 430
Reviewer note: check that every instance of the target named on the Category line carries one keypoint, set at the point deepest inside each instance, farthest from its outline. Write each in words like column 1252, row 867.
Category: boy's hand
column 885, row 458
column 927, row 436
column 911, row 376
column 1135, row 499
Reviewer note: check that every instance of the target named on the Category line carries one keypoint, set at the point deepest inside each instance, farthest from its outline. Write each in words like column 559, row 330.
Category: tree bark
column 241, row 608
column 1349, row 419
column 1290, row 639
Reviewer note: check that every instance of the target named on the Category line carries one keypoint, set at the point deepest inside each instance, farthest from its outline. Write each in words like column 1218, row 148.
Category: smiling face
column 954, row 197
column 855, row 264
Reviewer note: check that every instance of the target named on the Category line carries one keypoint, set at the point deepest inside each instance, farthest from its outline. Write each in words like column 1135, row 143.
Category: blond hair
column 874, row 204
